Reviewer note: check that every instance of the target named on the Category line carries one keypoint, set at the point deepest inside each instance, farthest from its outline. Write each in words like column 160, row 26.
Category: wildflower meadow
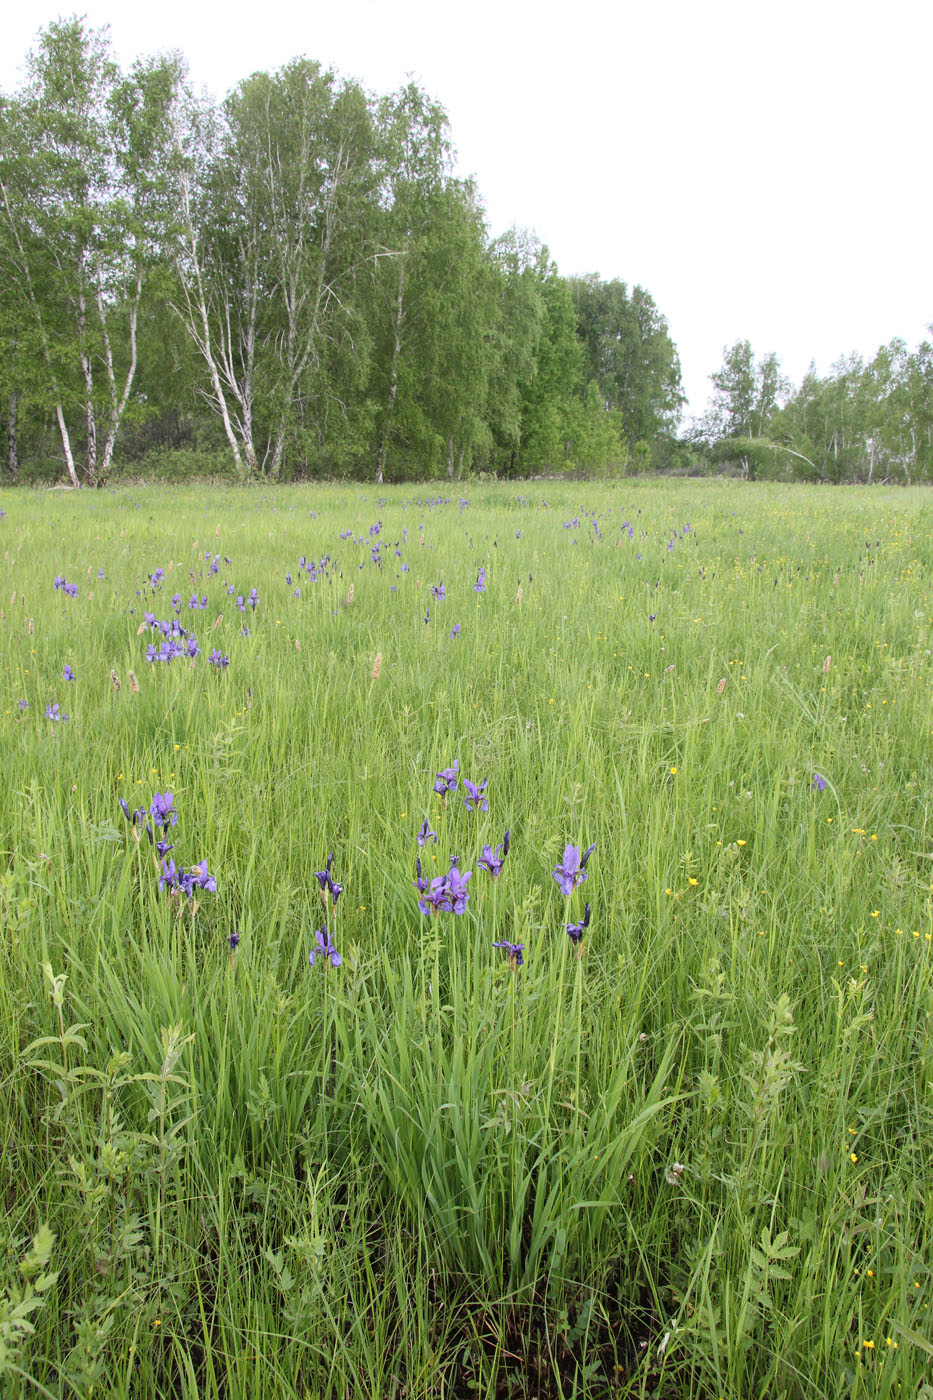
column 466, row 944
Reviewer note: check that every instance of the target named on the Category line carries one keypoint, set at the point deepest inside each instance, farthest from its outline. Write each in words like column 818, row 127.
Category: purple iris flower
column 71, row 589
column 514, row 951
column 438, row 590
column 218, row 659
column 53, row 712
column 191, row 648
column 446, row 779
column 68, row 674
column 436, row 898
column 325, row 948
column 58, row 581
column 329, row 887
column 22, row 704
column 163, row 848
column 420, row 883
column 492, row 861
column 457, row 885
column 480, row 584
column 475, row 801
column 575, row 931
column 162, row 811
column 170, row 879
column 445, row 894
column 454, row 631
column 203, row 878
column 820, row 783
column 233, row 939
column 572, row 872
column 138, row 816
column 425, row 835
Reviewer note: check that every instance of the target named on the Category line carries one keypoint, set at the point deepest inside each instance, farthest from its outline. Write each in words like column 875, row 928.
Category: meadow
column 272, row 1131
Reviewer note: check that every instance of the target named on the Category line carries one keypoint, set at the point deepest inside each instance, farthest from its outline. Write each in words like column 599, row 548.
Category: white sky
column 762, row 169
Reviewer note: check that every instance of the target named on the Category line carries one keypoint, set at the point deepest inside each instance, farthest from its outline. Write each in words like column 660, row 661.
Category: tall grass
column 693, row 1161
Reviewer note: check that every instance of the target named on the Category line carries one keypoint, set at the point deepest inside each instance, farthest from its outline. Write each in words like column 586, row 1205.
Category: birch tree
column 83, row 179
column 276, row 208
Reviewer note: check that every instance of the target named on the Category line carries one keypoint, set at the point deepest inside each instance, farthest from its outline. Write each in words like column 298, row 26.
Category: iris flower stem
column 558, row 1023
column 578, row 998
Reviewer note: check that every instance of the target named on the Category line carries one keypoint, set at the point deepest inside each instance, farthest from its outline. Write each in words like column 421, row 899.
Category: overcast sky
column 762, row 169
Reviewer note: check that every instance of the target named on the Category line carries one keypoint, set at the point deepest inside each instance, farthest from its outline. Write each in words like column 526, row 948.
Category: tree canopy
column 293, row 277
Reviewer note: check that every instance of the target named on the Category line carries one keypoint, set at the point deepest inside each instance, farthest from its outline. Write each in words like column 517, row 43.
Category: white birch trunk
column 197, row 323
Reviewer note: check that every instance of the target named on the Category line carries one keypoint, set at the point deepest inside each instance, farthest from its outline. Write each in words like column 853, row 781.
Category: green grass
column 693, row 1162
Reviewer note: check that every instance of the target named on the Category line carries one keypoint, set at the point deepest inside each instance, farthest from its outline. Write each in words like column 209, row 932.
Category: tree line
column 863, row 421
column 291, row 280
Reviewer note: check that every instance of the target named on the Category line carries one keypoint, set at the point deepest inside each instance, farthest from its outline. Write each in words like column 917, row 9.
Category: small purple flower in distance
column 425, row 835
column 68, row 674
column 217, row 658
column 58, row 581
column 161, row 810
column 446, row 779
column 253, row 599
column 514, row 951
column 71, row 589
column 572, row 872
column 240, row 603
column 575, row 931
column 480, row 584
column 191, row 648
column 475, row 800
column 233, row 939
column 454, row 631
column 53, row 712
column 22, row 704
column 820, row 783
column 438, row 590
column 329, row 887
column 325, row 948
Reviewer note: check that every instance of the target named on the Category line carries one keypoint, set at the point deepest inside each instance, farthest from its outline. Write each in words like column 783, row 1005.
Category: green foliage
column 628, row 353
column 862, row 422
